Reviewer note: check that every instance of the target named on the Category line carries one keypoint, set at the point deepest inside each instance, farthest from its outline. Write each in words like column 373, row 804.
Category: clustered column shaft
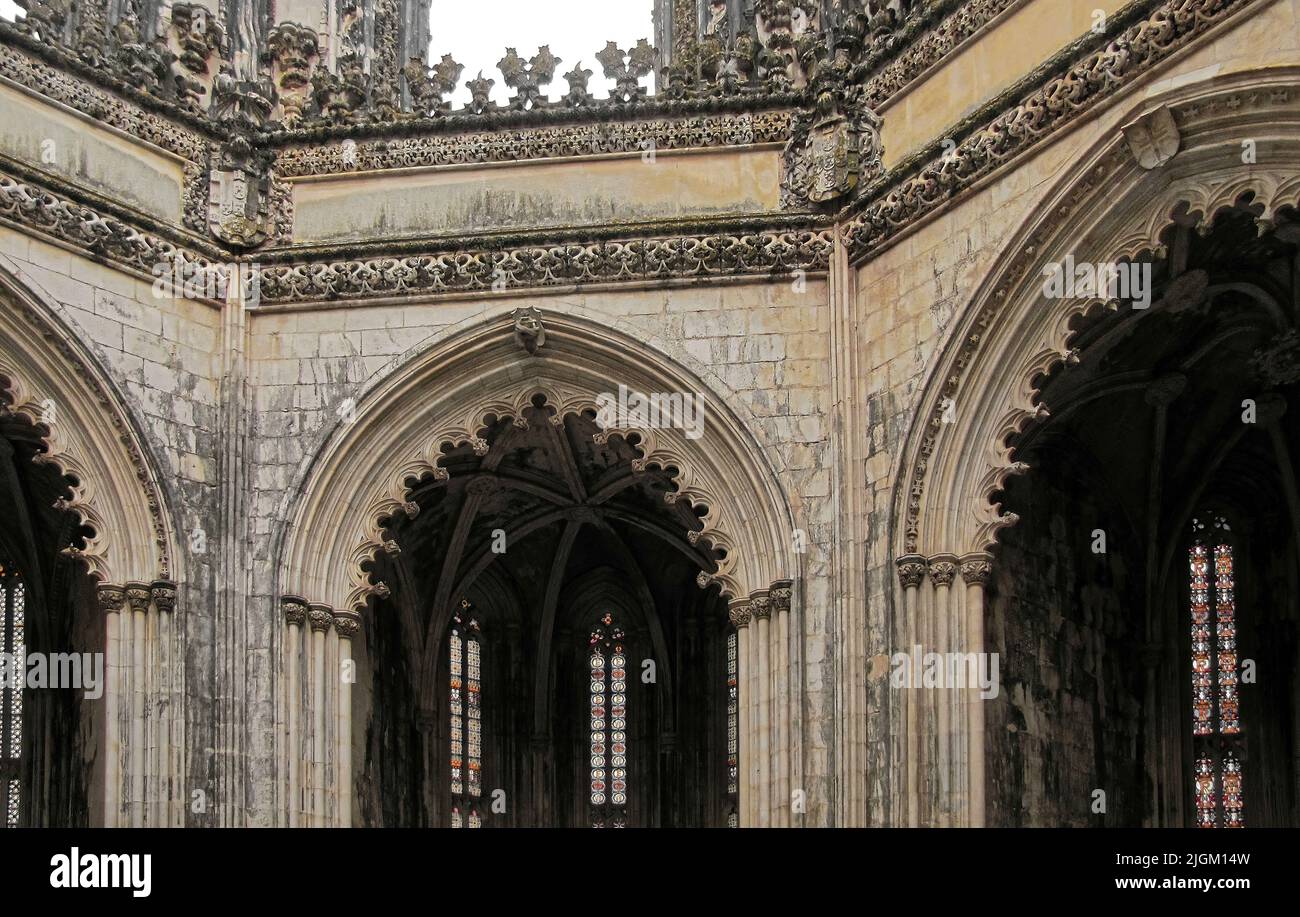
column 143, row 733
column 763, row 627
column 941, row 779
column 317, row 722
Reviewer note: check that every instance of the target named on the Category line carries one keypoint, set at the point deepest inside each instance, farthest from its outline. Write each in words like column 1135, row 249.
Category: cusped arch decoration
column 445, row 397
column 984, row 386
column 48, row 378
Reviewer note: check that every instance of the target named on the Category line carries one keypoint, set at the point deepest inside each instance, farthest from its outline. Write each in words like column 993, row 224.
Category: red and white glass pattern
column 607, row 659
column 465, row 702
column 457, row 705
column 1225, row 610
column 1216, row 714
column 1207, row 802
column 1202, row 668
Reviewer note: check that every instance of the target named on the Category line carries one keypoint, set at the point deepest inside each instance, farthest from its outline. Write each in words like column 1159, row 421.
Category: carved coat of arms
column 833, row 159
column 238, row 206
column 827, row 157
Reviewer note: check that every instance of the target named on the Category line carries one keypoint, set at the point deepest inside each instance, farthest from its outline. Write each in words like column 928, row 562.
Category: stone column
column 347, row 624
column 781, row 595
column 112, row 599
column 294, row 610
column 167, row 730
column 975, row 571
column 139, row 595
column 762, row 613
column 319, row 618
column 943, row 569
column 740, row 614
column 911, row 570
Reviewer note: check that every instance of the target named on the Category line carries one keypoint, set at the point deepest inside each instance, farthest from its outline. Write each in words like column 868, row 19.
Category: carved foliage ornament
column 762, row 252
column 527, row 79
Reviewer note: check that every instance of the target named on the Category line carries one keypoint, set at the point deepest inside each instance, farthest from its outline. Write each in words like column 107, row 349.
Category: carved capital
column 319, row 617
column 761, row 605
column 976, row 569
column 911, row 568
column 294, row 609
column 164, row 595
column 111, row 598
column 782, row 591
column 347, row 623
column 740, row 612
column 943, row 569
column 138, row 595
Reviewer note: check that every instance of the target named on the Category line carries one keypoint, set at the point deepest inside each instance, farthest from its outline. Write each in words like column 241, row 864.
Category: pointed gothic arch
column 98, row 489
column 447, row 417
column 94, row 440
column 445, row 394
column 985, row 385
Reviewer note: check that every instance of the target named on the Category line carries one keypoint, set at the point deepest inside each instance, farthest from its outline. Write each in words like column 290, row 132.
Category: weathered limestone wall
column 75, row 147
column 596, row 191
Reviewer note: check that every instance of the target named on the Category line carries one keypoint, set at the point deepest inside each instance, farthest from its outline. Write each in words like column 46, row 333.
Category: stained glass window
column 733, row 730
column 13, row 612
column 607, row 658
column 1216, row 714
column 465, row 706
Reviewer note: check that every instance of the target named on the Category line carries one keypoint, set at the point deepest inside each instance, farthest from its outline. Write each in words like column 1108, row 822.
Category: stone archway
column 96, row 494
column 439, row 453
column 986, row 386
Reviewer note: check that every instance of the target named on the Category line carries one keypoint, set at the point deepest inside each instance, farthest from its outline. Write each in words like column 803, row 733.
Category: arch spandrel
column 89, row 435
column 442, row 398
column 1108, row 209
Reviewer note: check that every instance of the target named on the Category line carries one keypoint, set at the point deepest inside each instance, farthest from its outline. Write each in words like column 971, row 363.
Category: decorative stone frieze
column 753, row 253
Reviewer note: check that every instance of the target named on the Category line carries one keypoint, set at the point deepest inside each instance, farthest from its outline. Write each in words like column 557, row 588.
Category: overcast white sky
column 477, row 35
